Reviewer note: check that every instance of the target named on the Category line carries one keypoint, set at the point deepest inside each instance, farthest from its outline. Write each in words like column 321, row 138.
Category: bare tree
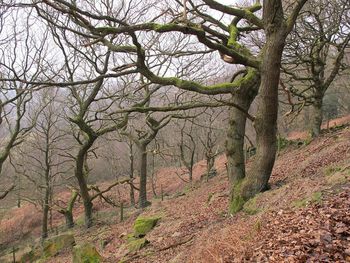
column 187, row 149
column 225, row 37
column 39, row 158
column 314, row 55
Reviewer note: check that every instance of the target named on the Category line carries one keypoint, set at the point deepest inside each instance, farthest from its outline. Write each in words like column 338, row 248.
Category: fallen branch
column 4, row 194
column 177, row 243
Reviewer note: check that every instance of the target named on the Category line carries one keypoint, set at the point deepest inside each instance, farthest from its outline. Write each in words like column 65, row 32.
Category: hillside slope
column 304, row 216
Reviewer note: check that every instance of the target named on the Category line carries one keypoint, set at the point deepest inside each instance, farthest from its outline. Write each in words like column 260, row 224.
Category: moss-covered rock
column 136, row 244
column 54, row 245
column 143, row 225
column 86, row 253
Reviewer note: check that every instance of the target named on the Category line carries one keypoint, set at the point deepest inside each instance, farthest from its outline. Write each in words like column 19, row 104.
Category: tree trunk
column 235, row 139
column 265, row 122
column 235, row 142
column 132, row 192
column 68, row 215
column 68, row 212
column 46, row 208
column 316, row 118
column 80, row 175
column 143, row 177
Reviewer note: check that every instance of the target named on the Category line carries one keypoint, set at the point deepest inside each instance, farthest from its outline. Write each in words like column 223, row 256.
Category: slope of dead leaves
column 196, row 228
column 318, row 233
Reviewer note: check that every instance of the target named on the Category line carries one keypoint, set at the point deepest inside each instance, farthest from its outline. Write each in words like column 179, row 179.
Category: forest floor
column 304, row 217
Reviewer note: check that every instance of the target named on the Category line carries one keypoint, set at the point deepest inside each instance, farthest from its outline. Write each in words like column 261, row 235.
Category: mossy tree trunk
column 82, row 180
column 238, row 115
column 68, row 212
column 266, row 120
column 316, row 117
column 143, row 202
column 235, row 141
column 45, row 216
column 131, row 173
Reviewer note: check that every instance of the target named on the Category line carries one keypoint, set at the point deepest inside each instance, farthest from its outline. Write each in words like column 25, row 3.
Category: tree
column 314, row 55
column 187, row 149
column 142, row 140
column 21, row 56
column 263, row 65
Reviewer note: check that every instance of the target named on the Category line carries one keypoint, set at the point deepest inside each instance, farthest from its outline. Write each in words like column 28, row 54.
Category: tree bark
column 316, row 118
column 235, row 136
column 80, row 175
column 143, row 177
column 68, row 212
column 266, row 119
column 235, row 140
column 132, row 192
column 46, row 208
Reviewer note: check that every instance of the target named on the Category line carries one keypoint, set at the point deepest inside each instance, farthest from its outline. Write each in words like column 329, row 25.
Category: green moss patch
column 54, row 245
column 314, row 198
column 136, row 244
column 330, row 170
column 143, row 225
column 86, row 253
column 236, row 201
column 250, row 207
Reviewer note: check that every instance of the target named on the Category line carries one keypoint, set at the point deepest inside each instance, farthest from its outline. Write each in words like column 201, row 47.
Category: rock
column 49, row 248
column 136, row 244
column 143, row 225
column 86, row 253
column 54, row 245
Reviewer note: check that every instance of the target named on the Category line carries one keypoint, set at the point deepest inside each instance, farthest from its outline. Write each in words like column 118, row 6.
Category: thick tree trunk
column 265, row 123
column 316, row 118
column 143, row 177
column 235, row 138
column 235, row 141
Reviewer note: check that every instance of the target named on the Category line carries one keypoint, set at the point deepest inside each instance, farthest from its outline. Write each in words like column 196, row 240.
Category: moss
column 330, row 170
column 308, row 140
column 314, row 198
column 136, row 244
column 300, row 203
column 143, row 225
column 282, row 143
column 54, row 245
column 250, row 207
column 80, row 221
column 258, row 225
column 232, row 41
column 164, row 27
column 236, row 200
column 86, row 253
